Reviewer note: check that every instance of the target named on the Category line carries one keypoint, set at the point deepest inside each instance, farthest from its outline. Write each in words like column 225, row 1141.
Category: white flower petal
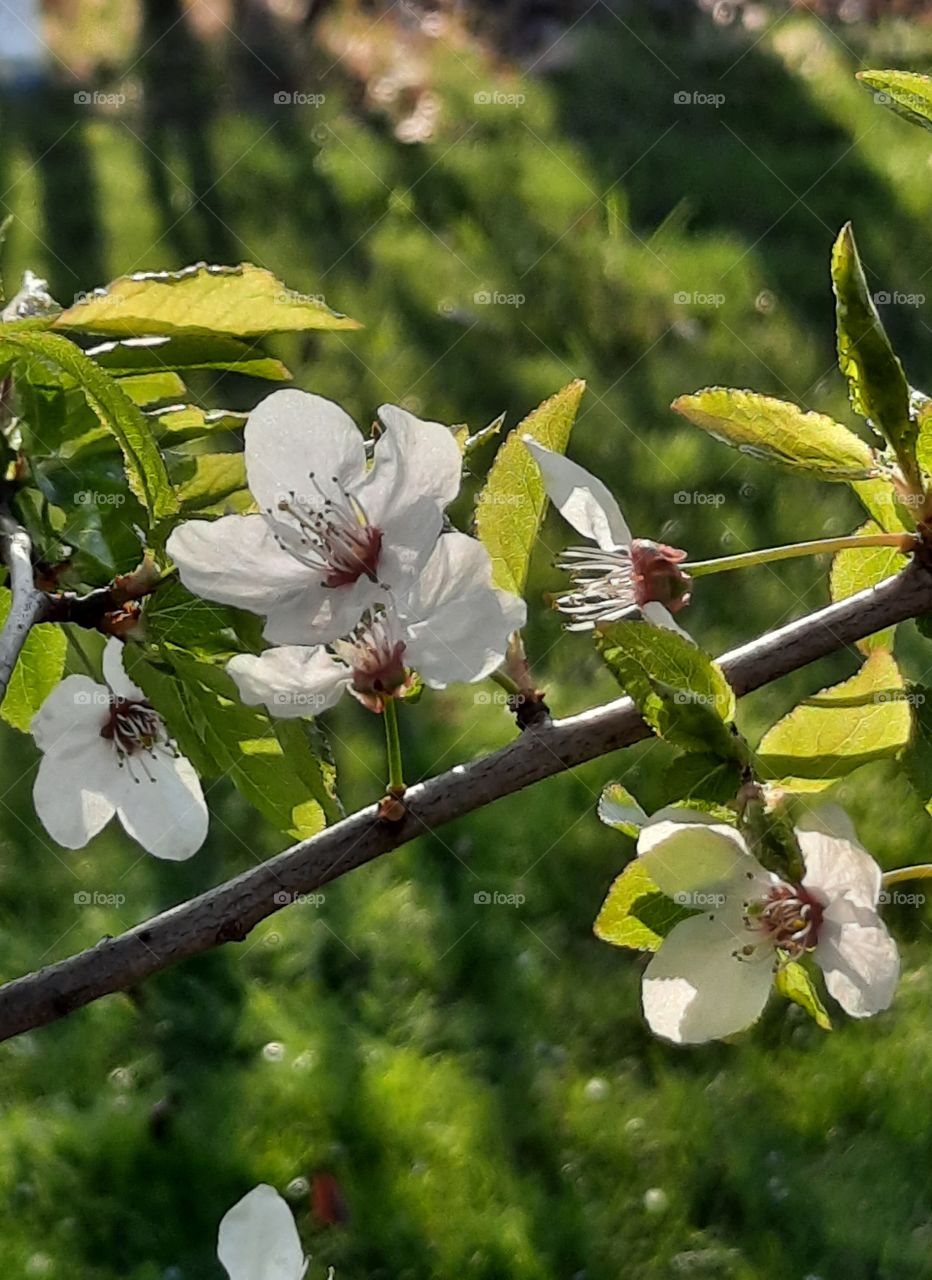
column 236, row 561
column 292, row 435
column 457, row 625
column 290, row 681
column 115, row 675
column 160, row 803
column 695, row 989
column 320, row 614
column 413, row 460
column 859, row 960
column 836, row 865
column 661, row 616
column 258, row 1239
column 581, row 498
column 684, row 851
column 71, row 791
column 72, row 716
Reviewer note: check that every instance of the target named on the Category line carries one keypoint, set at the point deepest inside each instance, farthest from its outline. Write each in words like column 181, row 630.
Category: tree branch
column 228, row 912
column 29, row 605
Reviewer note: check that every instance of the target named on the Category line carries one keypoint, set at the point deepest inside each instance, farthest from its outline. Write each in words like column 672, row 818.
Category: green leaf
column 145, row 469
column 511, row 504
column 173, row 616
column 271, row 766
column 149, row 388
column 877, row 386
column 619, row 809
column 702, row 780
column 179, row 424
column 777, row 431
column 794, row 982
column 243, row 301
column 858, row 568
column 884, row 505
column 150, row 354
column 917, row 759
column 636, row 914
column 678, row 689
column 905, row 92
column 842, row 728
column 38, row 670
column 208, row 480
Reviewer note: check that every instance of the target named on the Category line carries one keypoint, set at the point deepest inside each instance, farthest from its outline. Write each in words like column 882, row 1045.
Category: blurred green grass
column 478, row 1077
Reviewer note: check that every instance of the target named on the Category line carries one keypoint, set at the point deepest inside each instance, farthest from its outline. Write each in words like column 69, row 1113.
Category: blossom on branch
column 334, row 535
column 258, row 1239
column 714, row 971
column 451, row 626
column 106, row 751
column 620, row 573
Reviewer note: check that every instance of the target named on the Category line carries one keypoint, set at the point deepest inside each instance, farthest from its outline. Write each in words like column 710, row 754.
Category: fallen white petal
column 258, row 1239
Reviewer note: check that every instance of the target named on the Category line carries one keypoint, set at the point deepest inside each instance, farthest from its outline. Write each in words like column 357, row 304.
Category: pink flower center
column 789, row 918
column 133, row 726
column 331, row 535
column 609, row 583
column 375, row 655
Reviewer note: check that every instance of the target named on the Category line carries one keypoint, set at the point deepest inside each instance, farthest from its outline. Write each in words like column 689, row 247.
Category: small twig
column 228, row 912
column 28, row 606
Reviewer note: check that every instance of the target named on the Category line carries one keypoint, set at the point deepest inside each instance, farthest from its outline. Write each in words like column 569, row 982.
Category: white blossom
column 334, row 535
column 620, row 574
column 451, row 626
column 714, row 971
column 258, row 1239
column 105, row 752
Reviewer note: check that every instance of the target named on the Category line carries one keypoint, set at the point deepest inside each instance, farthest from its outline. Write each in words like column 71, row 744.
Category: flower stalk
column 396, row 777
column 904, row 542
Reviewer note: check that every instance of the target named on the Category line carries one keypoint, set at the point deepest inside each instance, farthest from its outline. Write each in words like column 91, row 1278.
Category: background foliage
column 477, row 1076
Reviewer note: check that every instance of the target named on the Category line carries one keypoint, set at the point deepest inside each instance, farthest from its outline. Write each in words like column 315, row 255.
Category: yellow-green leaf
column 905, row 92
column 511, row 504
column 619, row 809
column 858, row 568
column 635, row 913
column 243, row 301
column 836, row 731
column 793, row 982
column 681, row 693
column 777, row 431
column 38, row 670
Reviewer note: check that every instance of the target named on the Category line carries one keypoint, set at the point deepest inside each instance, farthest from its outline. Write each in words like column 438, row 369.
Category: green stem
column 509, row 685
column 699, row 568
column 921, row 872
column 396, row 779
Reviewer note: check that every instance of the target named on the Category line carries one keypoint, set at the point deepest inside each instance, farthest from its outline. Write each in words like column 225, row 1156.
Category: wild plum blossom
column 714, row 971
column 334, row 535
column 451, row 626
column 106, row 751
column 620, row 573
column 258, row 1239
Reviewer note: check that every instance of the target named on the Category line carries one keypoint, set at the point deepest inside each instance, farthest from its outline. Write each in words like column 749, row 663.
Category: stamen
column 331, row 535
